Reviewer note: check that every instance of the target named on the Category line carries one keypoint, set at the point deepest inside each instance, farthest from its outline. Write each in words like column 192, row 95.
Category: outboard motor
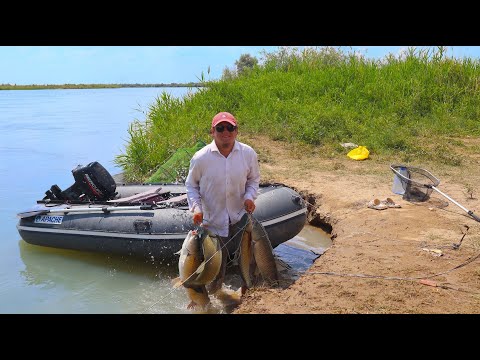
column 92, row 183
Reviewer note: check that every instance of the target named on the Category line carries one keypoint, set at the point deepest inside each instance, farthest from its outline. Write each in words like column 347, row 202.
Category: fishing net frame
column 419, row 183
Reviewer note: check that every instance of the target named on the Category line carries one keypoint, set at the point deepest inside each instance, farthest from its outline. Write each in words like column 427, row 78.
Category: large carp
column 256, row 252
column 246, row 260
column 199, row 263
column 263, row 253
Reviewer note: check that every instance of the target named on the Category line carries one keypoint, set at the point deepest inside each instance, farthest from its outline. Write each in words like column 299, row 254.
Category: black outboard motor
column 92, row 183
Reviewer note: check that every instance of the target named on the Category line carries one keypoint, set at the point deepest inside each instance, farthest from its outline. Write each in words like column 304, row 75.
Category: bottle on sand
column 397, row 187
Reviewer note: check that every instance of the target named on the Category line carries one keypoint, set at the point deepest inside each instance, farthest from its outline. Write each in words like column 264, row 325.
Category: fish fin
column 281, row 264
column 198, row 296
column 177, row 282
column 229, row 297
column 200, row 268
column 192, row 305
column 179, row 252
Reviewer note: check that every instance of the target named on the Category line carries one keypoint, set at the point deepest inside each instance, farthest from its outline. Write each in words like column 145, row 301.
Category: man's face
column 224, row 138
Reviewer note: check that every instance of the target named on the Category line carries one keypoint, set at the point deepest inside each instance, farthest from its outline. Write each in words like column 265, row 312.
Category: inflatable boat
column 143, row 220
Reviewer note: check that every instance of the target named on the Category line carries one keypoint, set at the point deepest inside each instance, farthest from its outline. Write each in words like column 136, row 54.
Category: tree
column 245, row 62
column 228, row 74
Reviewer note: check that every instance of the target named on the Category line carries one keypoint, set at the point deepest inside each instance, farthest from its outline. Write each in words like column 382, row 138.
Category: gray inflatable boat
column 143, row 220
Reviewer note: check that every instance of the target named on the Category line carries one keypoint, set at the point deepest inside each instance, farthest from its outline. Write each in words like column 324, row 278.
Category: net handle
column 469, row 212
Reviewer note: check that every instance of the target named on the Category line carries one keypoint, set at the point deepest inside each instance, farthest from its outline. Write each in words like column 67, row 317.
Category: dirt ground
column 422, row 258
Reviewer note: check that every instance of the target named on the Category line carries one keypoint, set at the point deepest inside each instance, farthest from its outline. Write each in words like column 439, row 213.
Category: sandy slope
column 380, row 261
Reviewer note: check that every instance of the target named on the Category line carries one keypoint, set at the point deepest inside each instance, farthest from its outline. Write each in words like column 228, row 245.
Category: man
column 222, row 184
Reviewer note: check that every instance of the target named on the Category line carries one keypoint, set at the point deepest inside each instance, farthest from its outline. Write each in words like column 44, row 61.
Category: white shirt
column 218, row 186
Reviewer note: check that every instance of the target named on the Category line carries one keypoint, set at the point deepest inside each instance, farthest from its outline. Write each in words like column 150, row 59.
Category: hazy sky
column 24, row 65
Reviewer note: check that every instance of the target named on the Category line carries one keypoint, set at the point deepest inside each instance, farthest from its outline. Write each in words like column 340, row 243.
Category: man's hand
column 249, row 206
column 197, row 218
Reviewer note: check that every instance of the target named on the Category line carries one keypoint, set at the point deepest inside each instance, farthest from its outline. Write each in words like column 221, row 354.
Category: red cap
column 224, row 116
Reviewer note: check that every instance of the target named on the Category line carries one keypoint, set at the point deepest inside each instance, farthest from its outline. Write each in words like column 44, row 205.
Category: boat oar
column 42, row 209
column 66, row 210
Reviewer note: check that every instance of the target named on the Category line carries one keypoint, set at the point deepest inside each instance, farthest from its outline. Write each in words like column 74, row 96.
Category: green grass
column 399, row 105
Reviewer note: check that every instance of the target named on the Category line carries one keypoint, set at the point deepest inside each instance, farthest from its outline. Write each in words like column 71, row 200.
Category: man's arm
column 253, row 179
column 193, row 188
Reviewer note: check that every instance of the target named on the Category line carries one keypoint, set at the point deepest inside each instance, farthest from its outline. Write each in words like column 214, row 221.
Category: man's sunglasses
column 230, row 128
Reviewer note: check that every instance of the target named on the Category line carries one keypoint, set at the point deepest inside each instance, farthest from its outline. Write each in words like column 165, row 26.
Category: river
column 44, row 134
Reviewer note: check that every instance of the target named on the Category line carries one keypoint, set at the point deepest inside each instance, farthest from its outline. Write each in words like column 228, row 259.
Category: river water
column 44, row 134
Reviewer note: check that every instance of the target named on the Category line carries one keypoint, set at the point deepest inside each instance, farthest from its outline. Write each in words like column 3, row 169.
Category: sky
column 26, row 65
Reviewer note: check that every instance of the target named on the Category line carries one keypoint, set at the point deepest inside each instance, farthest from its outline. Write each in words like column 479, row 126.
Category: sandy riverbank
column 398, row 260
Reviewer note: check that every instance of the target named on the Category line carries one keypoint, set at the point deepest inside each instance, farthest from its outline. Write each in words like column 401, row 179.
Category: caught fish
column 263, row 252
column 199, row 264
column 246, row 260
column 256, row 255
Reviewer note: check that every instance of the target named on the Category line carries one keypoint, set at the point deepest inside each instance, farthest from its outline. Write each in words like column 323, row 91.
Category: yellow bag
column 359, row 153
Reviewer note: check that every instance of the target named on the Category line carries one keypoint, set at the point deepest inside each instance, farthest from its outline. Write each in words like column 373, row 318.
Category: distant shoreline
column 94, row 86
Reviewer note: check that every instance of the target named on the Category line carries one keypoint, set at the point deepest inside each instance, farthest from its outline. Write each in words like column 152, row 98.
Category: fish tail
column 228, row 296
column 198, row 296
